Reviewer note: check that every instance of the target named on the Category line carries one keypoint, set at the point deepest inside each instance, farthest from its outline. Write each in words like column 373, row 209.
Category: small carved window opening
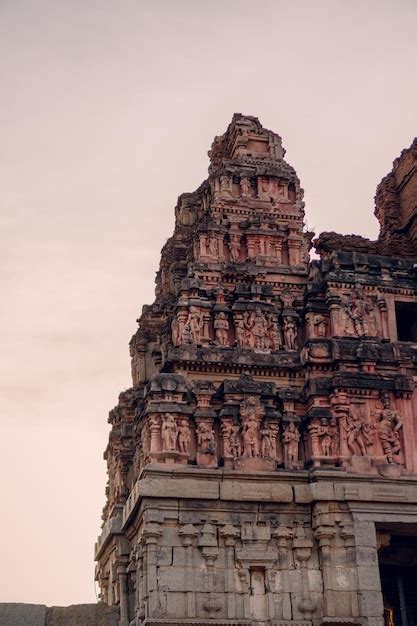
column 406, row 316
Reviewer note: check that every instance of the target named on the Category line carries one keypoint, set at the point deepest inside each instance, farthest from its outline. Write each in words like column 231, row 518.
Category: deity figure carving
column 334, row 434
column 205, row 439
column 358, row 434
column 274, row 333
column 325, row 438
column 234, row 247
column 169, row 432
column 177, row 327
column 245, row 186
column 287, row 299
column 224, row 183
column 213, row 246
column 235, row 445
column 193, row 327
column 267, row 445
column 389, row 425
column 255, row 322
column 360, row 313
column 251, row 437
column 290, row 333
column 221, row 329
column 240, row 332
column 184, row 436
column 320, row 324
column 252, row 411
column 291, row 438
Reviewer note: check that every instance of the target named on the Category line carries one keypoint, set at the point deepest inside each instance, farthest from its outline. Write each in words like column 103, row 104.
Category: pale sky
column 107, row 110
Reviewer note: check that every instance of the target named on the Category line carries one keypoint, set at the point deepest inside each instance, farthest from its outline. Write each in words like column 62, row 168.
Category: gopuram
column 263, row 465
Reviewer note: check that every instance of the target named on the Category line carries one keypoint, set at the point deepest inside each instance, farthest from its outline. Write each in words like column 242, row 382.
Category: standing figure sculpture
column 221, row 329
column 205, row 439
column 184, row 436
column 169, row 432
column 290, row 333
column 291, row 438
column 388, row 430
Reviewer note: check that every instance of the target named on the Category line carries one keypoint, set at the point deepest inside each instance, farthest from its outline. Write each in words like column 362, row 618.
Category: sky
column 107, row 110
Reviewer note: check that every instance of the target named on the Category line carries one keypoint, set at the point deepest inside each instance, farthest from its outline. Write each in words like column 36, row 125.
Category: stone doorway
column 398, row 571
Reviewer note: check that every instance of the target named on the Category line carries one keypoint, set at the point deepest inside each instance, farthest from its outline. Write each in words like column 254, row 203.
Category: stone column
column 187, row 533
column 383, row 314
column 303, row 548
column 140, row 594
column 230, row 533
column 324, row 535
column 151, row 533
column 371, row 604
column 124, row 595
column 333, row 303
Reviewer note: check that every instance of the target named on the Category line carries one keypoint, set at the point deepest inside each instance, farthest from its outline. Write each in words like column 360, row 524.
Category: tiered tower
column 271, row 414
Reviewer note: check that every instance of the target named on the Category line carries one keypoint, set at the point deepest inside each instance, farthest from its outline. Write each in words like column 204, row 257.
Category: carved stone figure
column 205, row 439
column 224, row 183
column 334, row 434
column 184, row 436
column 257, row 325
column 235, row 444
column 234, row 247
column 320, row 324
column 390, row 424
column 213, row 246
column 291, row 438
column 251, row 437
column 290, row 333
column 251, row 411
column 324, row 435
column 356, row 442
column 221, row 329
column 240, row 332
column 274, row 334
column 266, row 442
column 245, row 186
column 195, row 324
column 169, row 432
column 359, row 310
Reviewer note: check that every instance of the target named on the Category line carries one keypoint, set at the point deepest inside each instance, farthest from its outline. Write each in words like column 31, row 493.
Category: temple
column 263, row 465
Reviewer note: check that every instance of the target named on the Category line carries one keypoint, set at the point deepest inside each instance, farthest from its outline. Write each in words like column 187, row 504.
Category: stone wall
column 18, row 614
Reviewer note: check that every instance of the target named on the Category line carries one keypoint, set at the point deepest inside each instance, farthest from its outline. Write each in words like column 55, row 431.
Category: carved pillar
column 123, row 595
column 187, row 533
column 140, row 576
column 303, row 548
column 294, row 244
column 230, row 533
column 324, row 535
column 333, row 303
column 340, row 405
column 251, row 246
column 383, row 314
column 347, row 533
column 151, row 533
column 210, row 552
column 154, row 429
column 278, row 248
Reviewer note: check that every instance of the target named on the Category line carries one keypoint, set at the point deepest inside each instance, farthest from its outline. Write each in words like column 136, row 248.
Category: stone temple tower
column 263, row 466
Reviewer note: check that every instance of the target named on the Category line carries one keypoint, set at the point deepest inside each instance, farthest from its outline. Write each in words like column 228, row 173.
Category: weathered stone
column 271, row 426
column 17, row 614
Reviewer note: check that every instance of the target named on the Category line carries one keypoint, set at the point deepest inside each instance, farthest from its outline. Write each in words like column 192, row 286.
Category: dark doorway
column 406, row 314
column 398, row 571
